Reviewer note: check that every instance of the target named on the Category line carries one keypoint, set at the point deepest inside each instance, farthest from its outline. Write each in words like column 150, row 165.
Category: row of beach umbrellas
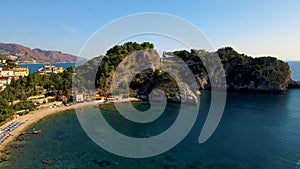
column 4, row 130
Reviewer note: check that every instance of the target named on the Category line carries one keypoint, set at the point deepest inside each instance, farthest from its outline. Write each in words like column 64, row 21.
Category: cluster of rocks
column 294, row 84
column 259, row 86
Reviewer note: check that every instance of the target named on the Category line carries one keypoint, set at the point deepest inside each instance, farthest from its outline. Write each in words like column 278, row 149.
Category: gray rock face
column 175, row 99
column 252, row 86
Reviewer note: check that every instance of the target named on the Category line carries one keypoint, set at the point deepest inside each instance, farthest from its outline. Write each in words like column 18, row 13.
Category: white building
column 5, row 72
column 4, row 81
column 48, row 68
column 79, row 97
column 5, row 77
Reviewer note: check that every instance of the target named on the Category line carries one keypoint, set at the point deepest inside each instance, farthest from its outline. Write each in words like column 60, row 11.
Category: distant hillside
column 24, row 54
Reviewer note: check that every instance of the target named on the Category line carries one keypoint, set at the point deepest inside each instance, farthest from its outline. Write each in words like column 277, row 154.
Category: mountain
column 25, row 54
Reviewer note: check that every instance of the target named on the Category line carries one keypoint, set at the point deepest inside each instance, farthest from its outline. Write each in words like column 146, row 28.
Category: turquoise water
column 257, row 131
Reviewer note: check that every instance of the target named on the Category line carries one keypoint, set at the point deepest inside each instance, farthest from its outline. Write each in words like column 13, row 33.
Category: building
column 4, row 81
column 2, row 61
column 114, row 98
column 48, row 68
column 20, row 71
column 5, row 72
column 99, row 98
column 79, row 97
column 60, row 69
column 6, row 75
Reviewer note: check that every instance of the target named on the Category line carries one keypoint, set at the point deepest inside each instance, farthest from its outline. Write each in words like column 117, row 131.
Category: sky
column 253, row 27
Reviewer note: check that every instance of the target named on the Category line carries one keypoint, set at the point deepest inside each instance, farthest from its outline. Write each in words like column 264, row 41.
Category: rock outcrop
column 294, row 84
column 243, row 73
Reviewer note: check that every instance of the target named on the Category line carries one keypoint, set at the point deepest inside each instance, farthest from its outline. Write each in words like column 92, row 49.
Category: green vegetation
column 264, row 73
column 114, row 56
column 34, row 84
column 9, row 63
column 85, row 74
column 24, row 105
column 242, row 73
column 6, row 110
column 147, row 80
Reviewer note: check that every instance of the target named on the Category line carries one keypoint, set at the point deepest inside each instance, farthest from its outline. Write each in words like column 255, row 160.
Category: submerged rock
column 164, row 166
column 47, row 162
column 102, row 163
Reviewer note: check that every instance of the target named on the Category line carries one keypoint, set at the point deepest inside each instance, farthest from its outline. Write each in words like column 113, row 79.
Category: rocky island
column 243, row 73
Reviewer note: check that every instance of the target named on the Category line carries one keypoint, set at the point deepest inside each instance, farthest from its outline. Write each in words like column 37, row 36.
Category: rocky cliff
column 139, row 70
column 294, row 84
column 243, row 73
column 118, row 70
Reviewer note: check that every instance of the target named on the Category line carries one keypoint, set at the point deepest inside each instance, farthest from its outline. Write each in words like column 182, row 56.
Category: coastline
column 35, row 116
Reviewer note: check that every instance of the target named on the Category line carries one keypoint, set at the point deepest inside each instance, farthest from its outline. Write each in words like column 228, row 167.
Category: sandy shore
column 34, row 117
column 37, row 115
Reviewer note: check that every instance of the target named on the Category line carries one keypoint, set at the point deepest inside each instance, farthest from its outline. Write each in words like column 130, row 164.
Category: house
column 48, row 68
column 114, row 98
column 2, row 61
column 4, row 81
column 20, row 71
column 6, row 76
column 99, row 98
column 79, row 97
column 5, row 72
column 60, row 69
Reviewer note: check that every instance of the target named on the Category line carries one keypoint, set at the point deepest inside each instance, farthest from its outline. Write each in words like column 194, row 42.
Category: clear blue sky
column 251, row 26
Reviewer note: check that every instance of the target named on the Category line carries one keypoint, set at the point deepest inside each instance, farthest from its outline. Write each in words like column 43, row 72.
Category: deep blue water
column 257, row 131
column 34, row 67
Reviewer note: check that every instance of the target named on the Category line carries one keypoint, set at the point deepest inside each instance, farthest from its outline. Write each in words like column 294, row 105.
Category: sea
column 256, row 131
column 34, row 67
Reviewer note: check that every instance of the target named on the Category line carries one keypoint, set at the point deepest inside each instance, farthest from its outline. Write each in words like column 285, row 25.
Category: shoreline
column 35, row 116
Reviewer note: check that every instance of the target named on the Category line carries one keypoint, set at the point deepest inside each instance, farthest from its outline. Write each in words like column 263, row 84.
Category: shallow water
column 256, row 131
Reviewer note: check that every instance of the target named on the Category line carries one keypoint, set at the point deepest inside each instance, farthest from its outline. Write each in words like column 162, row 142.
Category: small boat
column 33, row 132
column 37, row 132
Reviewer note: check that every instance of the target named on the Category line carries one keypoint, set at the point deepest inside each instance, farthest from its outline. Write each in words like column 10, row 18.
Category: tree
column 5, row 110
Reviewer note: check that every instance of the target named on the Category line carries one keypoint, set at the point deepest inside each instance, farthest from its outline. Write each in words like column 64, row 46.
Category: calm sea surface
column 257, row 131
column 34, row 67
